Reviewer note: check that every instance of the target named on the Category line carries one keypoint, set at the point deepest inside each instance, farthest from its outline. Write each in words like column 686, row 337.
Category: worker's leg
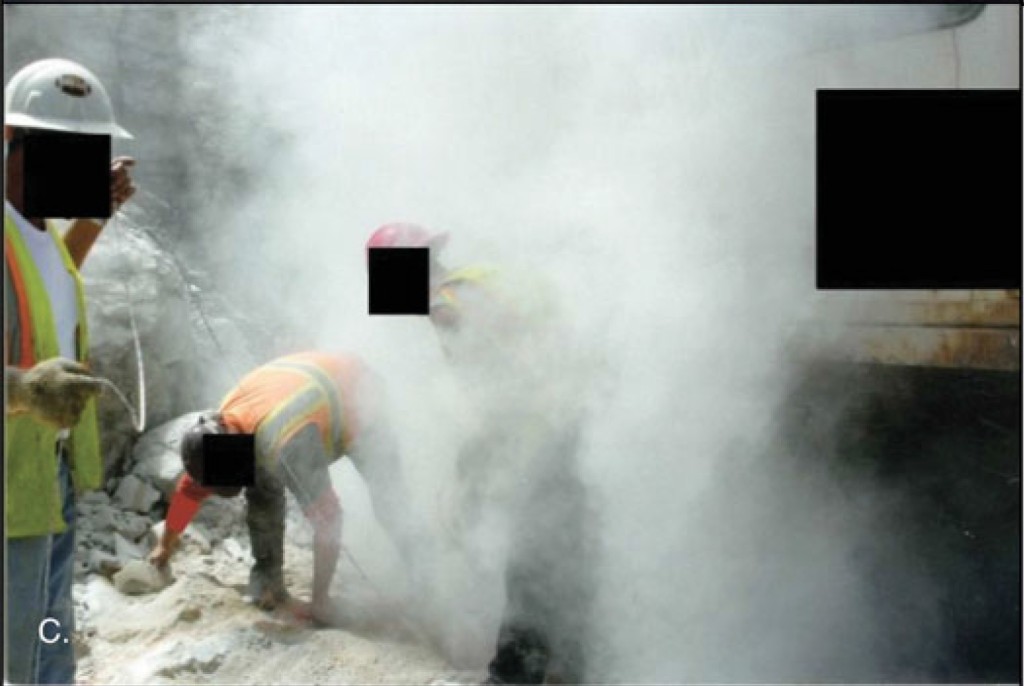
column 548, row 584
column 569, row 564
column 26, row 560
column 57, row 659
column 302, row 466
column 572, row 559
column 265, row 516
column 376, row 458
column 523, row 647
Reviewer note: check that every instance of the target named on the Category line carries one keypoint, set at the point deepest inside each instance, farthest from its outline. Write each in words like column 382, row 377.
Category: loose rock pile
column 114, row 531
column 129, row 271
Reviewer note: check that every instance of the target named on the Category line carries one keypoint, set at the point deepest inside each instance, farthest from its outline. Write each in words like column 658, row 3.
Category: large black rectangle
column 229, row 460
column 918, row 189
column 399, row 280
column 66, row 175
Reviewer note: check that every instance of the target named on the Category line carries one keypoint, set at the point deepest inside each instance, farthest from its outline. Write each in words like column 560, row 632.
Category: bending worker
column 306, row 411
column 501, row 332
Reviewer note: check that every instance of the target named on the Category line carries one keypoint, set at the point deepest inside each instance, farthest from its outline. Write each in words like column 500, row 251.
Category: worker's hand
column 54, row 391
column 160, row 556
column 299, row 611
column 121, row 186
column 319, row 613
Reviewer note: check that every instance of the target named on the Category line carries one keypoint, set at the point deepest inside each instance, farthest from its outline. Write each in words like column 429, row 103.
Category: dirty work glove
column 54, row 391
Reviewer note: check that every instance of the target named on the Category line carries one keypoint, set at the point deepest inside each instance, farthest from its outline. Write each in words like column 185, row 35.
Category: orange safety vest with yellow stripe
column 34, row 504
column 283, row 396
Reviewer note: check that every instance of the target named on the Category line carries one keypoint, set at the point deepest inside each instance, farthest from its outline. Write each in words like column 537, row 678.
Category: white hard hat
column 59, row 95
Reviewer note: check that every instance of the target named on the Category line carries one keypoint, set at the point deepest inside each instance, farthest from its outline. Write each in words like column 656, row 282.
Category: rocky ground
column 195, row 625
column 200, row 628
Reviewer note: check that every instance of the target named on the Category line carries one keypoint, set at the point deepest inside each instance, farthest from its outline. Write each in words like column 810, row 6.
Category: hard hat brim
column 29, row 122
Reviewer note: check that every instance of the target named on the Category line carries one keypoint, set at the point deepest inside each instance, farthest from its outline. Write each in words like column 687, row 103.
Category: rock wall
column 192, row 344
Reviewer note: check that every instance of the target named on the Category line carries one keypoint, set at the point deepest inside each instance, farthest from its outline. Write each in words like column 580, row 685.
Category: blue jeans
column 39, row 575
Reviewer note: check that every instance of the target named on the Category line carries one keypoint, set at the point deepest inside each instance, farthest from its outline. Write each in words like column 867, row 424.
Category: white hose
column 139, row 417
column 124, row 401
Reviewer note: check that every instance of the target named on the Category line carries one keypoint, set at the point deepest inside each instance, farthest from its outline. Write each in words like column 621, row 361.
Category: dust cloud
column 657, row 164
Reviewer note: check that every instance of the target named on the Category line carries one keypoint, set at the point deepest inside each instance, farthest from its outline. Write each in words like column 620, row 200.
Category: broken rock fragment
column 135, row 494
column 138, row 577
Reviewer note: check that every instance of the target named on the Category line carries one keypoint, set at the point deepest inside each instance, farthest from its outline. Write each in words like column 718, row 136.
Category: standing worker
column 306, row 411
column 51, row 441
column 500, row 331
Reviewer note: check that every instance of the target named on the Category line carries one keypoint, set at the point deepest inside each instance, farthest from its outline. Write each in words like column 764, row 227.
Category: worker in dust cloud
column 306, row 411
column 51, row 439
column 501, row 333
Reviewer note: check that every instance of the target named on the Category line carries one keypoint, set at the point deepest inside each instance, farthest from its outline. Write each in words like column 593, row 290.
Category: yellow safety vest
column 517, row 294
column 34, row 504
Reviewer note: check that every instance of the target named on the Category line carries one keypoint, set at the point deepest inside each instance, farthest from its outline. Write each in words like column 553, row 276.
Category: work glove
column 54, row 391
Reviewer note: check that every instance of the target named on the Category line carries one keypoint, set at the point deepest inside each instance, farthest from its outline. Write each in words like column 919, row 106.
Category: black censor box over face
column 918, row 189
column 399, row 280
column 66, row 174
column 229, row 460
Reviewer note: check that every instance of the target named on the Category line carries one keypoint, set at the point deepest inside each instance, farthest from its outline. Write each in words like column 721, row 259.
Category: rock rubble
column 113, row 532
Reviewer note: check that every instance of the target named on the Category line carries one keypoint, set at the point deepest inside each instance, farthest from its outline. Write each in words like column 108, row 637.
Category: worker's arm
column 82, row 234
column 79, row 239
column 188, row 497
column 168, row 543
column 443, row 313
column 325, row 516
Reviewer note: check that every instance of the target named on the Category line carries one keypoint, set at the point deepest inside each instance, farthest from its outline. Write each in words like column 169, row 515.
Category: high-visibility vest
column 500, row 303
column 278, row 399
column 34, row 503
column 481, row 278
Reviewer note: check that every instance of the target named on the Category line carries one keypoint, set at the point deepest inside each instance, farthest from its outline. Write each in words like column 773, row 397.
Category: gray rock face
column 99, row 540
column 130, row 525
column 129, row 273
column 125, row 551
column 156, row 457
column 99, row 518
column 102, row 563
column 135, row 494
column 94, row 498
column 161, row 318
column 223, row 518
